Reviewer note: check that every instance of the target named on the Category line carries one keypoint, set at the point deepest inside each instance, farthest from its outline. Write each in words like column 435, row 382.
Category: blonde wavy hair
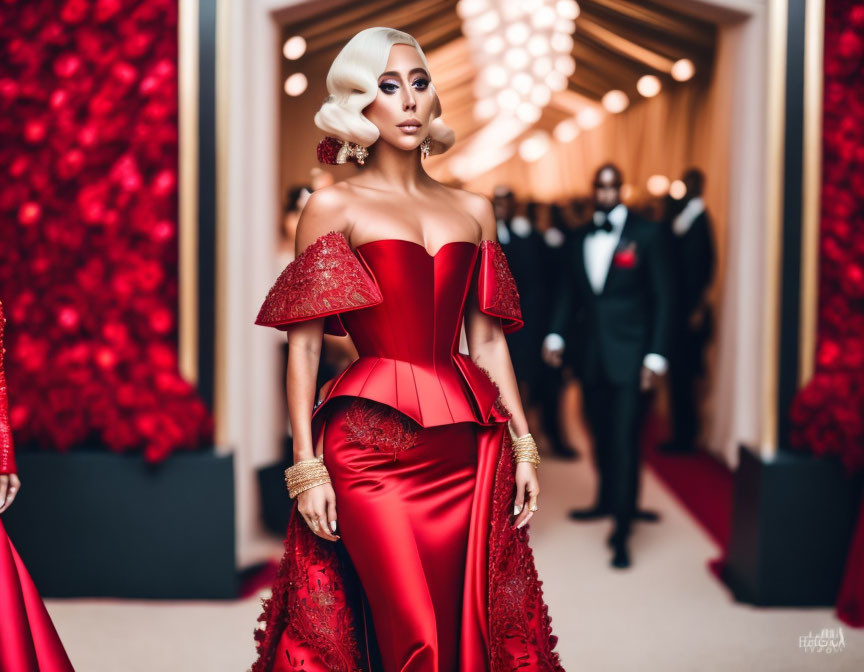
column 352, row 83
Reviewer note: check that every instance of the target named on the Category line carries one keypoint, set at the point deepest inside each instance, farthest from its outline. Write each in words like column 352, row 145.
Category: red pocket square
column 625, row 258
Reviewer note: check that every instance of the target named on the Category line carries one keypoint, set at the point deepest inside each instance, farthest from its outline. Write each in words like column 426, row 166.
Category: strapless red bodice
column 403, row 308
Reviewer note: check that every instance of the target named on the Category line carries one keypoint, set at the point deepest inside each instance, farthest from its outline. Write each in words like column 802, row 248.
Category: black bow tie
column 605, row 226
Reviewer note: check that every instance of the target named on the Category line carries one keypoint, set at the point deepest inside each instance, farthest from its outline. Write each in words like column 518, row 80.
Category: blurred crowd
column 539, row 240
column 614, row 298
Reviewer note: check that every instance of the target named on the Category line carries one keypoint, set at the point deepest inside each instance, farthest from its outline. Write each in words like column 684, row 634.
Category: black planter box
column 95, row 524
column 274, row 500
column 792, row 523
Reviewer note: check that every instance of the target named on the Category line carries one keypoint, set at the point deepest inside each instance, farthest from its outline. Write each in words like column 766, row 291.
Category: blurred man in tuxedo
column 526, row 254
column 611, row 324
column 693, row 260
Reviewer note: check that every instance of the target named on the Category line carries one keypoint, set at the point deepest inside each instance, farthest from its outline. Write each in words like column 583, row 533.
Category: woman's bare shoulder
column 478, row 206
column 324, row 212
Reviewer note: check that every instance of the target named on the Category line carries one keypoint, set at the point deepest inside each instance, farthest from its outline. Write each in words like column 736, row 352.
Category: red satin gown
column 429, row 575
column 28, row 640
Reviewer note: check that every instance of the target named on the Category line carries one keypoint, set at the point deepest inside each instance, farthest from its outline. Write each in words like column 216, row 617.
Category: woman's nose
column 408, row 102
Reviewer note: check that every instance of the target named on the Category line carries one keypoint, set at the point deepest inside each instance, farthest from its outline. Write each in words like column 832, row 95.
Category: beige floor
column 665, row 614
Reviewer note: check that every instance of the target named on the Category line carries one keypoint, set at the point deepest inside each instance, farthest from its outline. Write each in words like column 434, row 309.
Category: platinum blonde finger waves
column 352, row 84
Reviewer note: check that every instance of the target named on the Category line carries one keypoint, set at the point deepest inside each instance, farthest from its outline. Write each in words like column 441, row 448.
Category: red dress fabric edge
column 496, row 287
column 28, row 640
column 850, row 599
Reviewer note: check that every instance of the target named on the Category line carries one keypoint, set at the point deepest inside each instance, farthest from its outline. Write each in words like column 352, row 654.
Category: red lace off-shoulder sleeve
column 496, row 288
column 7, row 454
column 324, row 280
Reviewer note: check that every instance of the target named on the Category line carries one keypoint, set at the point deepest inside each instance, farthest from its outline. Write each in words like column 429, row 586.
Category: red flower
column 67, row 65
column 29, row 213
column 35, row 131
column 328, row 149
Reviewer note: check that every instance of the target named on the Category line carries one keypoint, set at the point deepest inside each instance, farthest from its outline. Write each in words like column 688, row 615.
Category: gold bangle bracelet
column 525, row 449
column 306, row 474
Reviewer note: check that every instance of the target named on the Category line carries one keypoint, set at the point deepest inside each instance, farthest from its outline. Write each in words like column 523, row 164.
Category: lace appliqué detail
column 308, row 621
column 325, row 279
column 520, row 629
column 379, row 426
column 497, row 289
column 7, row 455
column 502, row 411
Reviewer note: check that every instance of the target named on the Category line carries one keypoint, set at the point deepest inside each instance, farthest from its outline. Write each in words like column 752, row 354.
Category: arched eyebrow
column 393, row 73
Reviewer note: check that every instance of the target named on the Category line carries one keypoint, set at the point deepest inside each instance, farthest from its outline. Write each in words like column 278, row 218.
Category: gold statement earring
column 351, row 150
column 335, row 151
column 426, row 147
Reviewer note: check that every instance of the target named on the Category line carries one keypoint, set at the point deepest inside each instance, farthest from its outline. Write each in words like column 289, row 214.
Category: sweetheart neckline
column 420, row 245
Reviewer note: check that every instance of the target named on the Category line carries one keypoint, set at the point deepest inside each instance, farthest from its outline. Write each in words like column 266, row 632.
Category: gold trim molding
column 814, row 28
column 776, row 128
column 187, row 45
column 222, row 67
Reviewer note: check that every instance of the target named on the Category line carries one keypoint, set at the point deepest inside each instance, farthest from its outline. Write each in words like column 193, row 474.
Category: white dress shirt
column 600, row 245
column 598, row 250
column 682, row 223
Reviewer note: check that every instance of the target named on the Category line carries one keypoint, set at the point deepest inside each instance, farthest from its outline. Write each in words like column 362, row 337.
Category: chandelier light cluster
column 616, row 101
column 523, row 52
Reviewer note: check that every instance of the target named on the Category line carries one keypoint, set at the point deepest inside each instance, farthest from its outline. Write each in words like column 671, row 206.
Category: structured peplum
column 406, row 332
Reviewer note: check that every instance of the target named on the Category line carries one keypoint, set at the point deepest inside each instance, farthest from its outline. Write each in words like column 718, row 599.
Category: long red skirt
column 28, row 640
column 404, row 498
column 429, row 575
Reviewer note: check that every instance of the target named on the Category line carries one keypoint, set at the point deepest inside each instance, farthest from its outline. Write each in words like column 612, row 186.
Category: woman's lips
column 409, row 127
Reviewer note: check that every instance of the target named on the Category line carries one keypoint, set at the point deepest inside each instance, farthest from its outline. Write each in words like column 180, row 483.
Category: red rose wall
column 88, row 215
column 828, row 414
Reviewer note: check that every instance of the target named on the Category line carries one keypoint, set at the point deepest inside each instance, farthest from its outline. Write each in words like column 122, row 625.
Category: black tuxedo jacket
column 693, row 260
column 607, row 335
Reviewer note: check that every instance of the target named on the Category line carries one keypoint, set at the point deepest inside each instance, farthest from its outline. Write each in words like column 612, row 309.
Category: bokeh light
column 294, row 48
column 648, row 86
column 615, row 101
column 296, row 84
column 683, row 70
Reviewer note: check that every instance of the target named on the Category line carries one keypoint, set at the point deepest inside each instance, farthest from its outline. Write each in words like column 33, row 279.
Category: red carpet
column 701, row 483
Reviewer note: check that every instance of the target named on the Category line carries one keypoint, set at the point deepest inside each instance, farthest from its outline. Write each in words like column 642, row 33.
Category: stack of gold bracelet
column 525, row 449
column 306, row 474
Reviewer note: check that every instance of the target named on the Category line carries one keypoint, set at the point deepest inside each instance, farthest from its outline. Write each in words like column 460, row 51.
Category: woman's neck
column 394, row 167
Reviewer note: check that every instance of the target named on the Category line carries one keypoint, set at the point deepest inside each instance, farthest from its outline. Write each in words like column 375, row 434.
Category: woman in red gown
column 28, row 640
column 407, row 550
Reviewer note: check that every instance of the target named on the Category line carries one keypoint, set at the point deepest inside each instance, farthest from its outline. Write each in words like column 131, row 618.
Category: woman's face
column 405, row 102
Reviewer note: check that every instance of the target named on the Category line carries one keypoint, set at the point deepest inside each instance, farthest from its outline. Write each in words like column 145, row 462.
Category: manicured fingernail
column 516, row 509
column 521, row 524
column 332, row 525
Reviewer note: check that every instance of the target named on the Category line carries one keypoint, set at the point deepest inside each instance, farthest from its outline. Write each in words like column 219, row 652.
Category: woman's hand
column 527, row 491
column 9, row 487
column 318, row 507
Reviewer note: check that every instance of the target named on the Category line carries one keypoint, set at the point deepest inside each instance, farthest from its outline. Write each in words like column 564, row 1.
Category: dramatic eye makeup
column 418, row 77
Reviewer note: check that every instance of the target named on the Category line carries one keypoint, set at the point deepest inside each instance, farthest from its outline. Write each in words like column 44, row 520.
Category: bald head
column 607, row 187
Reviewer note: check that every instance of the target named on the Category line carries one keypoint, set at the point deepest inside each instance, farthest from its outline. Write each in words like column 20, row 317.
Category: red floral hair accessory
column 335, row 151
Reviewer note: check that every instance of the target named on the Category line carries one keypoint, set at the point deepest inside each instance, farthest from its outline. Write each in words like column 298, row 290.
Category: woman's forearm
column 304, row 354
column 494, row 356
